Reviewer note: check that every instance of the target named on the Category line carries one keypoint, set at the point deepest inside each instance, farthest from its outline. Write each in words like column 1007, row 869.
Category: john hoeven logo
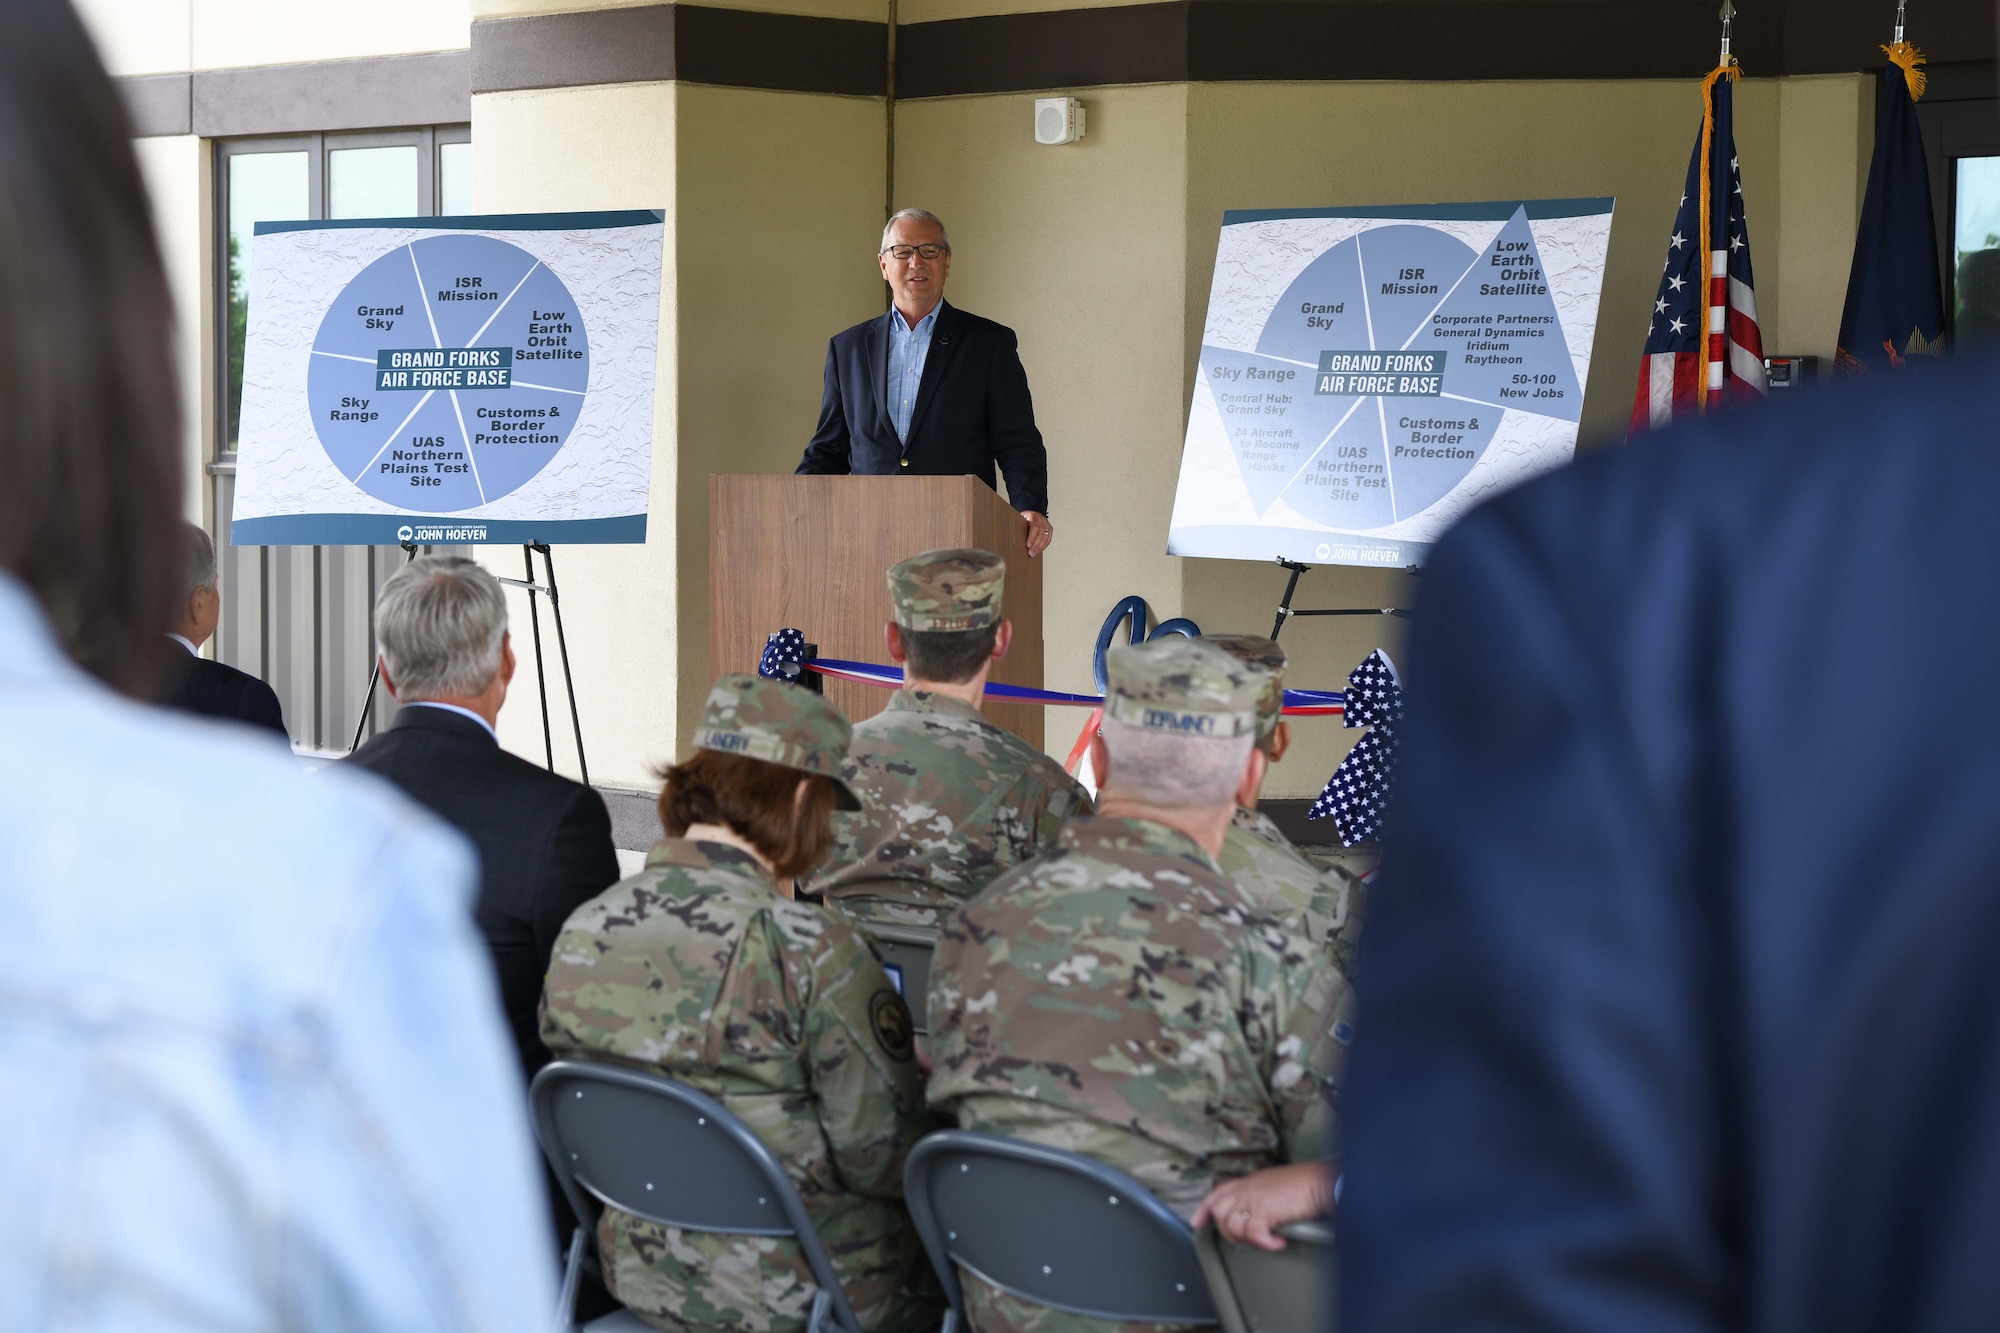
column 405, row 532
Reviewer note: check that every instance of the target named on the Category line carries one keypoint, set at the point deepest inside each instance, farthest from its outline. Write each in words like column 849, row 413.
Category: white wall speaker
column 1058, row 120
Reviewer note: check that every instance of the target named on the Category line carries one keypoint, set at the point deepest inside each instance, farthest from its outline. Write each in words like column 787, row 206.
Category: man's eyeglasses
column 924, row 251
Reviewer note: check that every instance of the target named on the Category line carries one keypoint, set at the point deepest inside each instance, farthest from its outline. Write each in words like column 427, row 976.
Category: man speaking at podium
column 931, row 390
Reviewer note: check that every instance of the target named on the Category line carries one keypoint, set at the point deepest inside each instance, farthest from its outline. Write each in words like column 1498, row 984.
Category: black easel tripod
column 1286, row 611
column 534, row 590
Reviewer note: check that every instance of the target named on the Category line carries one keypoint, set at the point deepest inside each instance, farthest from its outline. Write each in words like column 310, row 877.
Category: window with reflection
column 262, row 187
column 1975, row 243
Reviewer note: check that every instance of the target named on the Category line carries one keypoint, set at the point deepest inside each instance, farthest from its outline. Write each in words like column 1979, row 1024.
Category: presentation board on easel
column 450, row 380
column 1368, row 375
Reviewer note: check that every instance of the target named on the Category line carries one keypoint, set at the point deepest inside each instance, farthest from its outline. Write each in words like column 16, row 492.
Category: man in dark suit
column 205, row 687
column 1683, row 1010
column 544, row 841
column 929, row 389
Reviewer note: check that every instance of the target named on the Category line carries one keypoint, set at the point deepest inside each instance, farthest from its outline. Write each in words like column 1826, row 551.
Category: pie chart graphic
column 448, row 373
column 1385, row 371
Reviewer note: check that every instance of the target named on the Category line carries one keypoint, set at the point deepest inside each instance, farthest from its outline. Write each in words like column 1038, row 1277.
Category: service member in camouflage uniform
column 951, row 800
column 700, row 967
column 1326, row 905
column 1119, row 997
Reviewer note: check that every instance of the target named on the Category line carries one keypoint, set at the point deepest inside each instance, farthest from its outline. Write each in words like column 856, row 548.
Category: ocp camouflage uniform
column 696, row 967
column 1322, row 905
column 951, row 802
column 1120, row 999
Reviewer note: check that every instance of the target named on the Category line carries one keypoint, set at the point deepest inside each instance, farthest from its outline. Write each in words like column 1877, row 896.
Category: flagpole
column 1709, row 392
column 1902, row 12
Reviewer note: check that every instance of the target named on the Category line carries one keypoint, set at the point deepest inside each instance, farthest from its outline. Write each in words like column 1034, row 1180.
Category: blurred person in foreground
column 1682, row 1011
column 1119, row 997
column 201, row 685
column 251, row 1074
column 544, row 842
column 949, row 800
column 1323, row 905
column 702, row 968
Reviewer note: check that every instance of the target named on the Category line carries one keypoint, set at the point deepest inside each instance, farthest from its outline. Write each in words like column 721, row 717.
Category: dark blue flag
column 1895, row 305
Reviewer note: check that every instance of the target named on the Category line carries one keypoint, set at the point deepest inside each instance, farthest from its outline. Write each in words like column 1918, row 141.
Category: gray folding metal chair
column 1051, row 1227
column 659, row 1150
column 907, row 949
column 1257, row 1291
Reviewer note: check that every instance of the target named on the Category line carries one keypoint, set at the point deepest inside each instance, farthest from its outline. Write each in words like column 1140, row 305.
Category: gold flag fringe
column 1908, row 58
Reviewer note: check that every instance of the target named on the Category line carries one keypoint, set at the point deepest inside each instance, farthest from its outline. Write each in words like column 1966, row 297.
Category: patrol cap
column 1265, row 655
column 947, row 590
column 780, row 724
column 1184, row 686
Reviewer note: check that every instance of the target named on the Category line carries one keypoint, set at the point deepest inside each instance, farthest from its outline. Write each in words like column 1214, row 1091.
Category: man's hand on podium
column 1040, row 532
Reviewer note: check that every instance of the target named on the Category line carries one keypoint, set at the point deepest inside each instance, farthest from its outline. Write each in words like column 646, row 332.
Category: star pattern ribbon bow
column 1358, row 793
column 784, row 656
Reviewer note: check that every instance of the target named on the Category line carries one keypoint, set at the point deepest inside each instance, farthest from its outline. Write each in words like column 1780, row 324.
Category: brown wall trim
column 1171, row 42
column 694, row 43
column 159, row 104
column 392, row 92
column 1251, row 40
column 334, row 95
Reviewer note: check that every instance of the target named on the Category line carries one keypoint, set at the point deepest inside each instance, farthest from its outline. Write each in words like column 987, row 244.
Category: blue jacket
column 973, row 411
column 252, row 1071
column 1682, row 1007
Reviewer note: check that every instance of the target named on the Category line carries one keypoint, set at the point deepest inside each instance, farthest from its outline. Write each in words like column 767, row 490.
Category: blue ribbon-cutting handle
column 1134, row 612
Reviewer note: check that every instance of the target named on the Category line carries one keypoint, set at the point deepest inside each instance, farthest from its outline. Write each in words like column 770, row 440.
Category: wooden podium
column 813, row 553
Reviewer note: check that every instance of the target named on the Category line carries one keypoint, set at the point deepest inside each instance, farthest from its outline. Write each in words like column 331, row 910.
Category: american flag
column 1357, row 795
column 784, row 656
column 1704, row 349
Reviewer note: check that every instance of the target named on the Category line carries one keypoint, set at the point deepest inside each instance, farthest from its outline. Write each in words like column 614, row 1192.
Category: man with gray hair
column 1119, row 997
column 928, row 389
column 202, row 685
column 544, row 842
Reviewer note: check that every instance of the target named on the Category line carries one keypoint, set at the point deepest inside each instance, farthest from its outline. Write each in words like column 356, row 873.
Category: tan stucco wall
column 596, row 148
column 1826, row 137
column 229, row 33
column 141, row 36
column 773, row 203
column 1081, row 250
column 178, row 178
column 163, row 36
column 780, row 214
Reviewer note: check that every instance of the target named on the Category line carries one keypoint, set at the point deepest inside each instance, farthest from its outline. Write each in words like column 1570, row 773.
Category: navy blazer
column 1682, row 1006
column 544, row 845
column 973, row 413
column 217, row 689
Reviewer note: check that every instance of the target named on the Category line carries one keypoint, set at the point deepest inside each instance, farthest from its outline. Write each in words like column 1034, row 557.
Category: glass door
column 301, row 617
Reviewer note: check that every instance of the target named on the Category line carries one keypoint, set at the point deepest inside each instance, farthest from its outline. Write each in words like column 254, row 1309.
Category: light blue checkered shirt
column 907, row 349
